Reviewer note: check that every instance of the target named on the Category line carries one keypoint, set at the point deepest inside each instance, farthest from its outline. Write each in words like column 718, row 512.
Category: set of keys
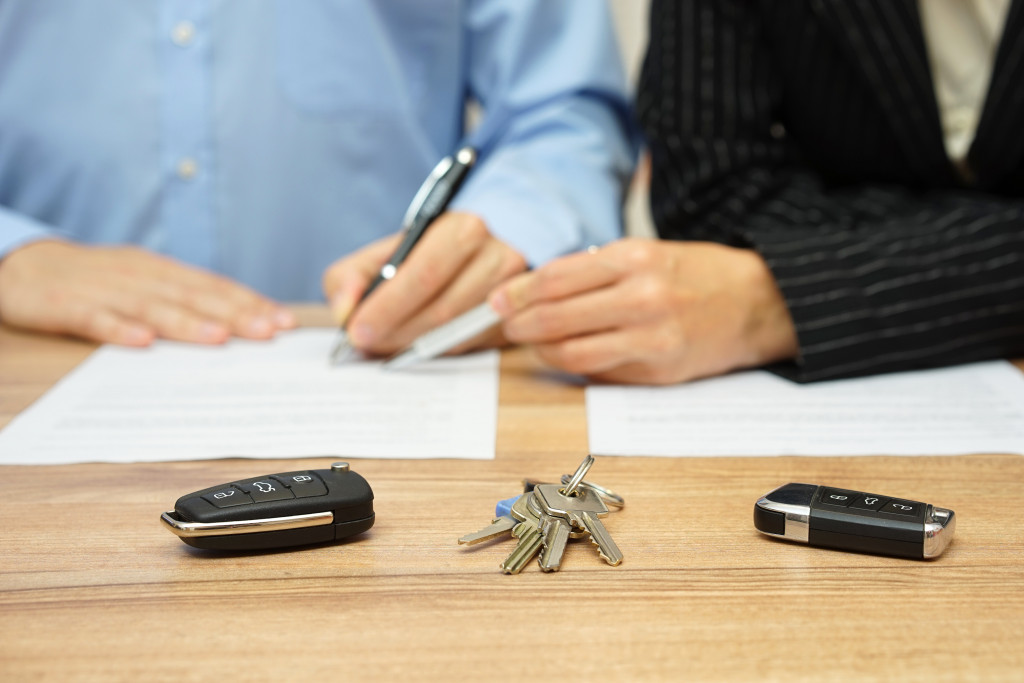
column 546, row 517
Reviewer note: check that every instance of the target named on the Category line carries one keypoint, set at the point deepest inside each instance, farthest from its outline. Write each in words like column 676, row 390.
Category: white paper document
column 257, row 399
column 977, row 408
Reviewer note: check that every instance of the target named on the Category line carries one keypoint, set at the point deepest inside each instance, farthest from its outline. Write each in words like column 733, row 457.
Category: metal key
column 529, row 534
column 582, row 510
column 607, row 496
column 497, row 527
column 556, row 531
column 538, row 513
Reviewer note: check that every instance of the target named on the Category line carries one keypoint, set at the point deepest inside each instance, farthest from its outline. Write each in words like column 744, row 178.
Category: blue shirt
column 264, row 139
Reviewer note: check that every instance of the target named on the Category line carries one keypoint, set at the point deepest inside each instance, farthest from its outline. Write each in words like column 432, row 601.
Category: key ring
column 577, row 477
column 610, row 498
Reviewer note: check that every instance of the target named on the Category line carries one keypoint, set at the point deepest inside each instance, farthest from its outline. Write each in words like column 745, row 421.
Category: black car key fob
column 275, row 511
column 853, row 520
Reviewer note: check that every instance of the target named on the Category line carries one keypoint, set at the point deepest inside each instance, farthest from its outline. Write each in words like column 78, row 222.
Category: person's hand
column 128, row 296
column 650, row 312
column 452, row 269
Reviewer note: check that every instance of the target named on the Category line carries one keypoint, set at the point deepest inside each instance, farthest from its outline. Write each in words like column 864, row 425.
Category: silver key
column 497, row 527
column 556, row 531
column 522, row 511
column 529, row 534
column 538, row 512
column 607, row 496
column 582, row 510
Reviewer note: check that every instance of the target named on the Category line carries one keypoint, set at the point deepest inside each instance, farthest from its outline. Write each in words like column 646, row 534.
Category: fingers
column 492, row 264
column 165, row 317
column 649, row 355
column 595, row 353
column 676, row 313
column 128, row 296
column 346, row 279
column 633, row 301
column 578, row 273
column 641, row 373
column 184, row 303
column 191, row 305
column 562, row 278
column 104, row 326
column 380, row 323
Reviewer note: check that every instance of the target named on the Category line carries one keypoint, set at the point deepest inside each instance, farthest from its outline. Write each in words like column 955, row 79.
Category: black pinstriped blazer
column 809, row 131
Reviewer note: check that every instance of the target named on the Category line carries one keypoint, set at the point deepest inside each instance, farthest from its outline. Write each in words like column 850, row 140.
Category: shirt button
column 183, row 33
column 187, row 169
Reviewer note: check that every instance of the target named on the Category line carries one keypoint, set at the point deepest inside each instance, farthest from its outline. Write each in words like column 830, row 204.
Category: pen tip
column 341, row 350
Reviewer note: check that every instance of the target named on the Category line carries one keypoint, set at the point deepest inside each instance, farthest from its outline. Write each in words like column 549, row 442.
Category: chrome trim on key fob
column 185, row 529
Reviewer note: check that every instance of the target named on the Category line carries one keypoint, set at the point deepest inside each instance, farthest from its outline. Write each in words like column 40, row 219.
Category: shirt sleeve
column 17, row 230
column 557, row 142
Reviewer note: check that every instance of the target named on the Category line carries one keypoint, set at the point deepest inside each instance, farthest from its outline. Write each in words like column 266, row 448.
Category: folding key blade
column 497, row 527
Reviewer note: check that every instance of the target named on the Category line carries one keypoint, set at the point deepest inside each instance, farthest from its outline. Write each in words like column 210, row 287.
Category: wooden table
column 92, row 587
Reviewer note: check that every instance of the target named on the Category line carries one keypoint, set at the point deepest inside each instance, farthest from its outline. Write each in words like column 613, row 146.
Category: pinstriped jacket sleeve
column 878, row 276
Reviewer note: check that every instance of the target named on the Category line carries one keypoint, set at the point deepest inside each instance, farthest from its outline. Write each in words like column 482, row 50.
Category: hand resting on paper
column 129, row 296
column 650, row 312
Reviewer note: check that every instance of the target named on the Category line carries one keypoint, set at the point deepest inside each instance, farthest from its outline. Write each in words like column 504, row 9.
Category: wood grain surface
column 92, row 588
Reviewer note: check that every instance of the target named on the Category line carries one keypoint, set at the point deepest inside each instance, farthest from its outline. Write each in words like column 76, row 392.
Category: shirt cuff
column 536, row 221
column 17, row 230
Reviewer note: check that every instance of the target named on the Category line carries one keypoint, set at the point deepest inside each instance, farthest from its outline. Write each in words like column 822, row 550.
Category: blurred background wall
column 631, row 26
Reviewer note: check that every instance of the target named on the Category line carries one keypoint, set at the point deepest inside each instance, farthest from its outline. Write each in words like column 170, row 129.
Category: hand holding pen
column 452, row 268
column 429, row 202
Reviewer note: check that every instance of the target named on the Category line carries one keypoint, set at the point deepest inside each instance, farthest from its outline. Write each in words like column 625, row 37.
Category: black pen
column 430, row 202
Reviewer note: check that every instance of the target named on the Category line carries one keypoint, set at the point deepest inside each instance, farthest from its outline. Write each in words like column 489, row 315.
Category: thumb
column 346, row 279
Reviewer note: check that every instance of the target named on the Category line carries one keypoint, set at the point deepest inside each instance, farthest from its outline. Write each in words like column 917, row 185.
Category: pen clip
column 426, row 188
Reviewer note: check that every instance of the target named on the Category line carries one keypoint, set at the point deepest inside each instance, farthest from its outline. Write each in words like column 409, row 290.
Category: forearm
column 939, row 282
column 881, row 279
column 875, row 279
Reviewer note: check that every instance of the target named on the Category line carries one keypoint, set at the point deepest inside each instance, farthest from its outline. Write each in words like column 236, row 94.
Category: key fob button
column 901, row 507
column 837, row 497
column 266, row 489
column 868, row 502
column 227, row 497
column 302, row 484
